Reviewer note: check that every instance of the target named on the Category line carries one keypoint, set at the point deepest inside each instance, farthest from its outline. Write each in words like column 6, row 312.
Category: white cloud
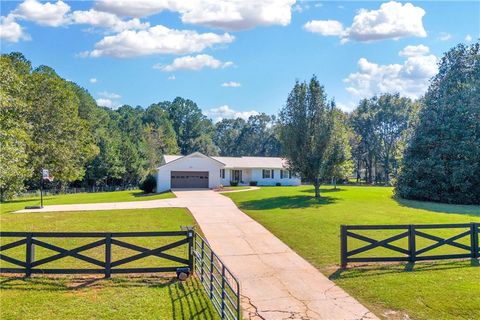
column 10, row 30
column 93, row 80
column 104, row 102
column 409, row 79
column 109, row 95
column 156, row 40
column 137, row 8
column 325, row 27
column 225, row 112
column 194, row 63
column 393, row 20
column 172, row 77
column 444, row 36
column 231, row 84
column 106, row 20
column 47, row 14
column 413, row 51
column 468, row 38
column 224, row 14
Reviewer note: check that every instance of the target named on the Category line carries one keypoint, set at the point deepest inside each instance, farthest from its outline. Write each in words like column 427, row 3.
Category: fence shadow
column 397, row 268
column 287, row 202
column 471, row 210
column 189, row 301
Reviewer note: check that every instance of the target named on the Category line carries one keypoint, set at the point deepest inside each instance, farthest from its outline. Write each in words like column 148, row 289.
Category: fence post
column 411, row 244
column 474, row 241
column 30, row 255
column 343, row 246
column 190, row 249
column 223, row 291
column 108, row 255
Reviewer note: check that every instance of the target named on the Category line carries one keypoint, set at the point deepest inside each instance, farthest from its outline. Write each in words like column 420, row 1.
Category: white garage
column 193, row 171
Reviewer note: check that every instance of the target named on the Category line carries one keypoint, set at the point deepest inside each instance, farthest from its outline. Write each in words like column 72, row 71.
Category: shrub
column 149, row 184
column 234, row 183
column 253, row 183
column 278, row 184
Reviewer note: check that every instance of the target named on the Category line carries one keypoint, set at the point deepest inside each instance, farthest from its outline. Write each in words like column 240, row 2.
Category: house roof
column 241, row 162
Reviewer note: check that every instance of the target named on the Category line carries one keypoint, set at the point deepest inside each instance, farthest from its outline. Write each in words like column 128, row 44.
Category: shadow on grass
column 189, row 302
column 439, row 207
column 287, row 202
column 386, row 269
column 323, row 190
column 140, row 194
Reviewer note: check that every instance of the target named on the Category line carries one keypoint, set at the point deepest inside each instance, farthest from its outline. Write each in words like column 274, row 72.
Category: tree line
column 49, row 122
column 429, row 148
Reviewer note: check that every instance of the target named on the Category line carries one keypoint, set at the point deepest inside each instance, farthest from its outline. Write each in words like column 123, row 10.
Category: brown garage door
column 189, row 179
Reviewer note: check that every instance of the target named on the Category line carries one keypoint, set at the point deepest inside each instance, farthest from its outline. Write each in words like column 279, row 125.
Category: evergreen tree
column 442, row 161
column 306, row 128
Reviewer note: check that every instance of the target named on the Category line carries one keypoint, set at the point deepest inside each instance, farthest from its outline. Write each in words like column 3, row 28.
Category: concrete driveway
column 276, row 282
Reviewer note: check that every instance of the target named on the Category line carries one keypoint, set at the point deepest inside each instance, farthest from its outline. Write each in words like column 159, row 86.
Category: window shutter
column 273, row 176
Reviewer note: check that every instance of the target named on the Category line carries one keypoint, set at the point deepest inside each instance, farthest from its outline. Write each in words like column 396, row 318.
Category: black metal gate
column 220, row 284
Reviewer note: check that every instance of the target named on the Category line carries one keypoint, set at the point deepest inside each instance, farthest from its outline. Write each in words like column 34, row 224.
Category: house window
column 285, row 174
column 268, row 174
column 222, row 173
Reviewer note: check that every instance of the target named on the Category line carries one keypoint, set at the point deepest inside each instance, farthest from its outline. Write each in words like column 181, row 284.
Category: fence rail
column 220, row 284
column 412, row 233
column 107, row 266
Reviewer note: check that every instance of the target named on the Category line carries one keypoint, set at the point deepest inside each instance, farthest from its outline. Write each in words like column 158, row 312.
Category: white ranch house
column 197, row 170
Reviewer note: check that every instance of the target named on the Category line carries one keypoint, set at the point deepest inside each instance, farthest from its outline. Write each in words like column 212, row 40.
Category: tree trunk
column 317, row 188
column 334, row 183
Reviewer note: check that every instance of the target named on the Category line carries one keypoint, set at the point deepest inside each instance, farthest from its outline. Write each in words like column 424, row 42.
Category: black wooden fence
column 220, row 284
column 29, row 265
column 412, row 251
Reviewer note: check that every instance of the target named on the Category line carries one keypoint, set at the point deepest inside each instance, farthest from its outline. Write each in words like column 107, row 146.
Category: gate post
column 411, row 244
column 343, row 246
column 190, row 249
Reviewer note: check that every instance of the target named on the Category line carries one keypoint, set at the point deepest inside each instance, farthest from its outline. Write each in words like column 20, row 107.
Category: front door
column 237, row 175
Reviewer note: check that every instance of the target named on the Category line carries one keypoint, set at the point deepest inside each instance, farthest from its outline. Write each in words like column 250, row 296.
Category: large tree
column 339, row 164
column 14, row 137
column 381, row 124
column 193, row 129
column 442, row 160
column 61, row 140
column 306, row 128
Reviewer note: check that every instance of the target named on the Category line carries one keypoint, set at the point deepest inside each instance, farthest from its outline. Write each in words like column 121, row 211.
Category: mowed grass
column 432, row 290
column 79, row 198
column 92, row 297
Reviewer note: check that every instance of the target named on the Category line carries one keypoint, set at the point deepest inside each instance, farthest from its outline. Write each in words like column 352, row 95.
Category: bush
column 149, row 184
column 234, row 183
column 253, row 183
column 278, row 184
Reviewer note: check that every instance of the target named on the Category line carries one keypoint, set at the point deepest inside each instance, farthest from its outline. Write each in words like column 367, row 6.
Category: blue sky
column 235, row 58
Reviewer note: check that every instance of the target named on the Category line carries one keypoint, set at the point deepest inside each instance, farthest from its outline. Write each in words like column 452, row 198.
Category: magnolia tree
column 442, row 160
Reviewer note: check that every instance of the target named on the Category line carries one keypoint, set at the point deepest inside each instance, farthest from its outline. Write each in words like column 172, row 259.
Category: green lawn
column 92, row 297
column 442, row 290
column 98, row 197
